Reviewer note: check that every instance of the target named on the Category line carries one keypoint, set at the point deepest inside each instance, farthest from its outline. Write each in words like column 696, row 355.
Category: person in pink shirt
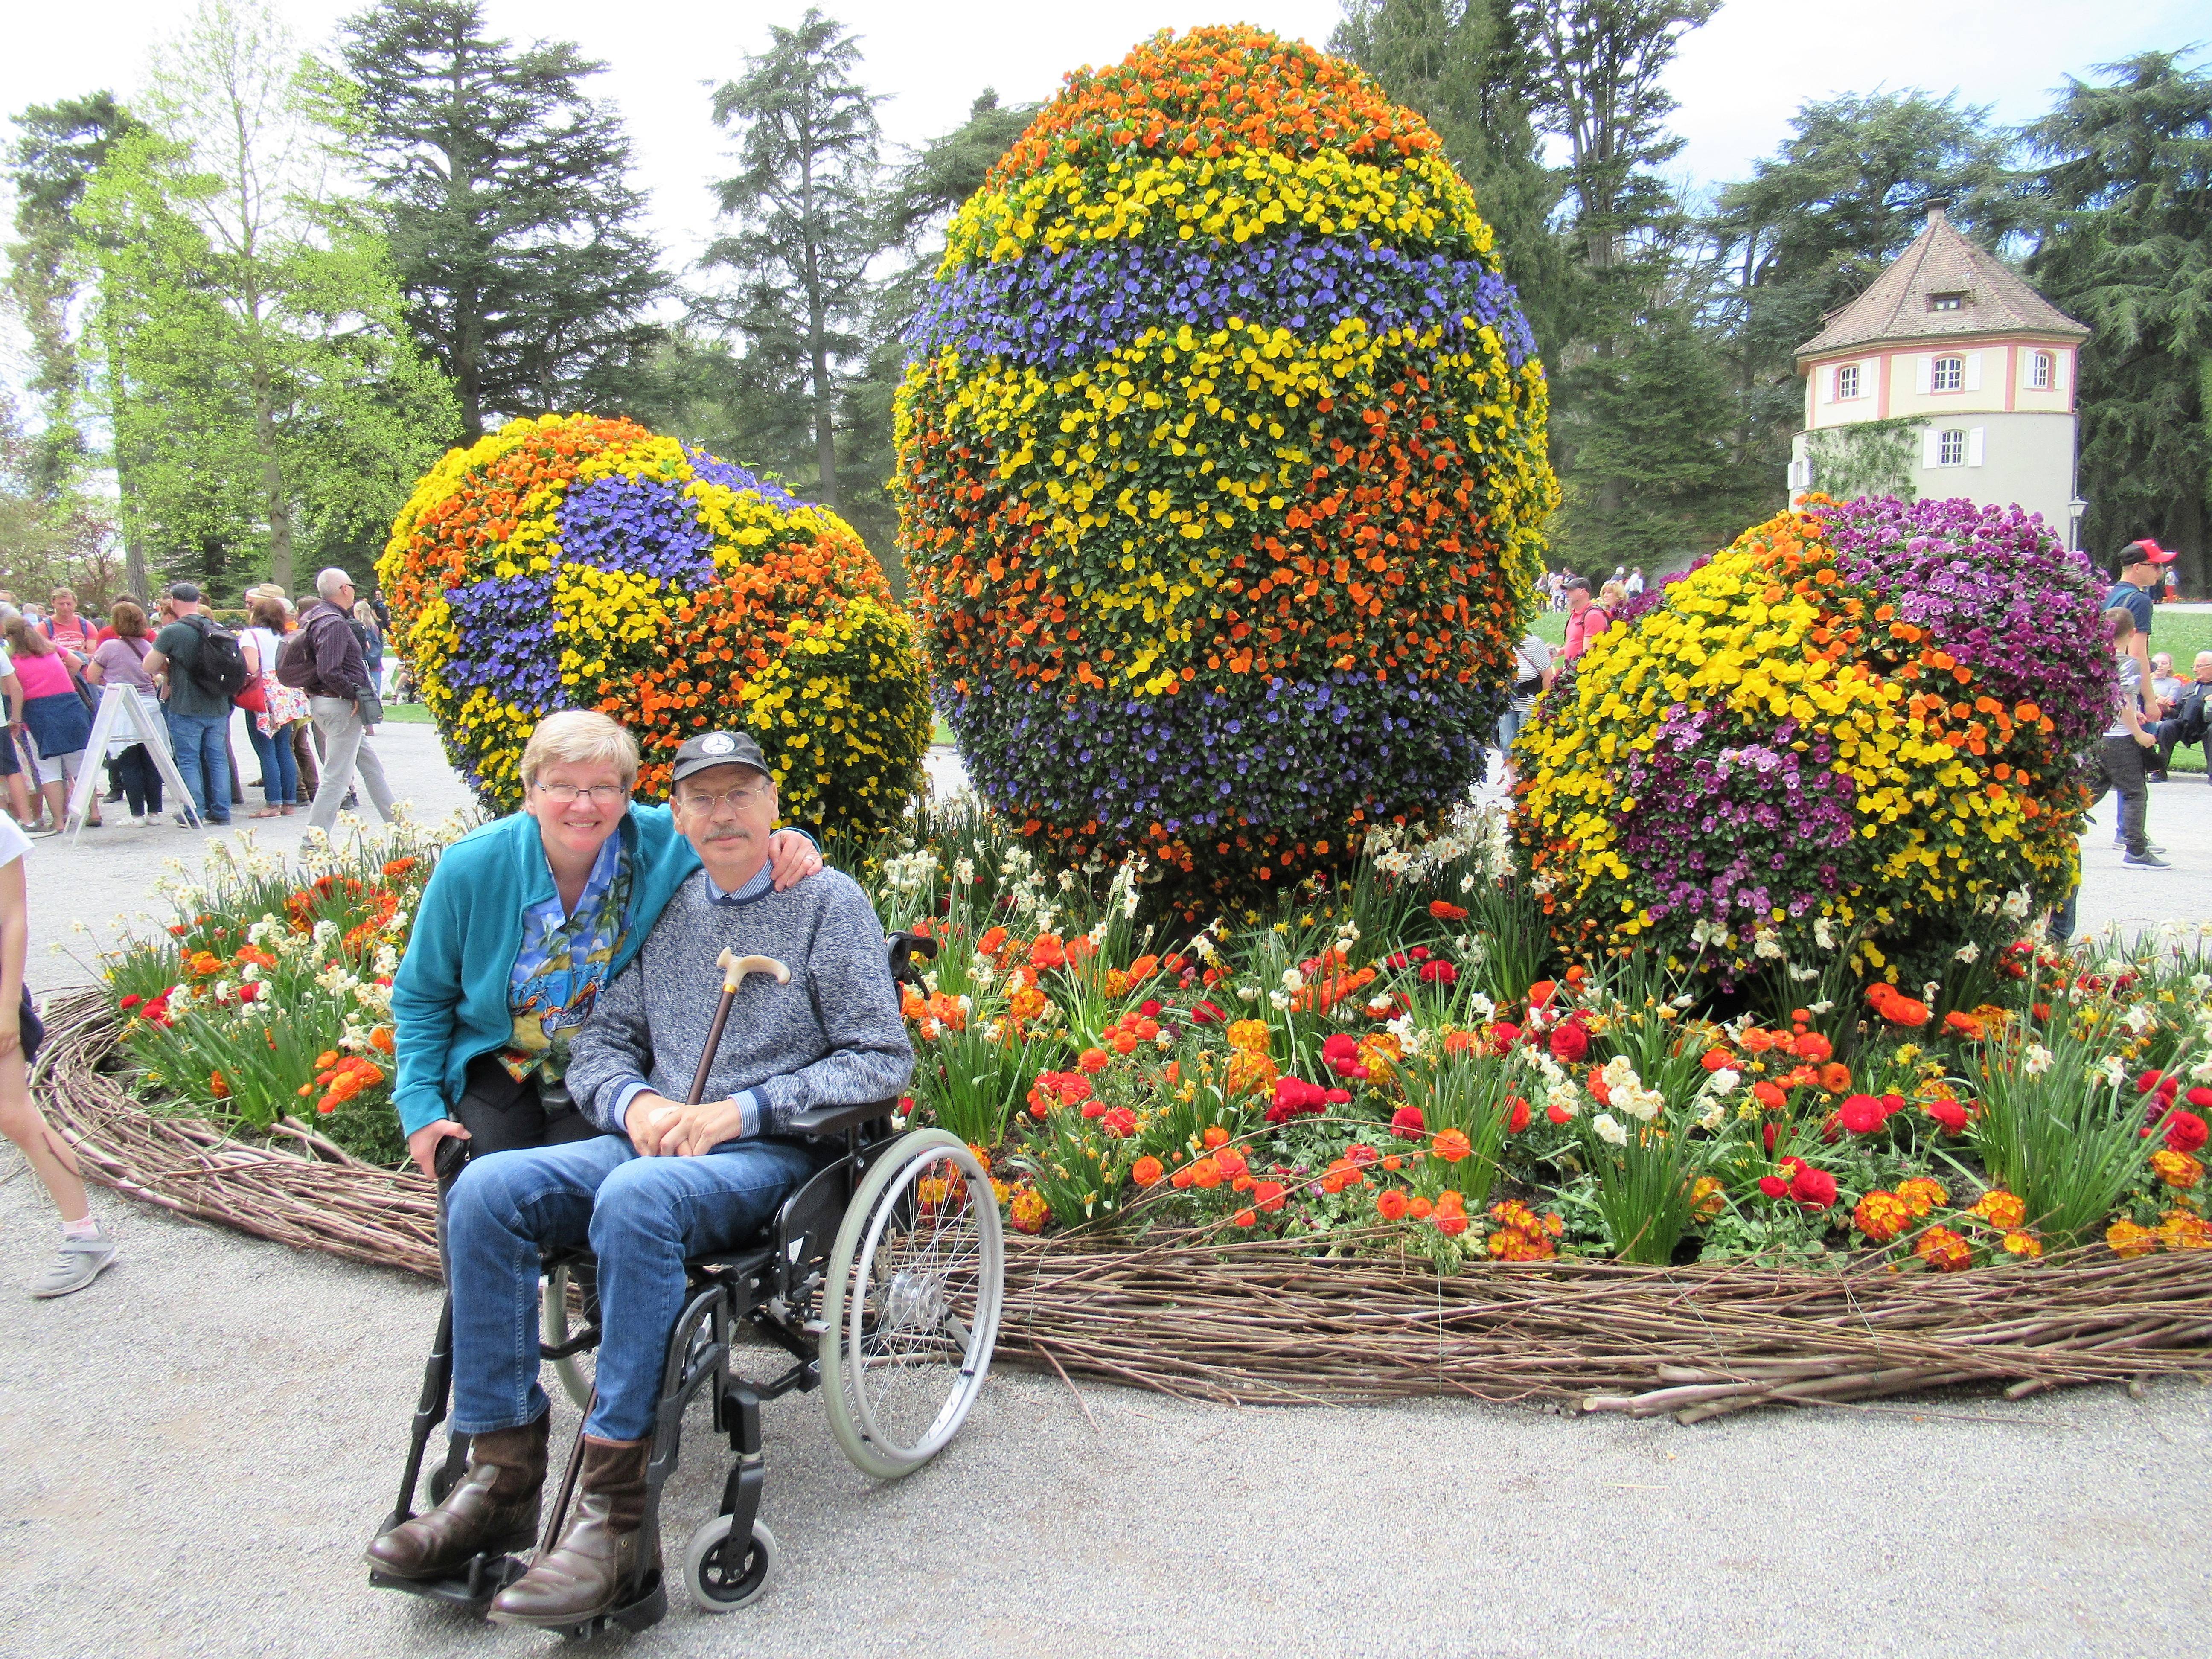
column 1585, row 621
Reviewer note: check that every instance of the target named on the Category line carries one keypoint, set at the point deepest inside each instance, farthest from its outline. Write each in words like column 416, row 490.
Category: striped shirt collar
column 757, row 888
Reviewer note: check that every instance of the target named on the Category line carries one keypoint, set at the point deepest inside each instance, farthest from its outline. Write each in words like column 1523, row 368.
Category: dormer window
column 1949, row 374
column 1955, row 301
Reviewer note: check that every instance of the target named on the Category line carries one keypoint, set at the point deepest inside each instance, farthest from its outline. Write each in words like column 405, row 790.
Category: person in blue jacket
column 523, row 925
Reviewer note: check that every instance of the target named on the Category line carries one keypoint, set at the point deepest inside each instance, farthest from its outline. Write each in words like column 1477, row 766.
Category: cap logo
column 717, row 742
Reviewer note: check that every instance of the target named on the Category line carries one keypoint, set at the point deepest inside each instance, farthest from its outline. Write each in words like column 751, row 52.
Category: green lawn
column 1551, row 626
column 2181, row 635
column 407, row 714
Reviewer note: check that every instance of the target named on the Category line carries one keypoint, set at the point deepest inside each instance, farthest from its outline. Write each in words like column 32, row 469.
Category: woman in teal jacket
column 524, row 923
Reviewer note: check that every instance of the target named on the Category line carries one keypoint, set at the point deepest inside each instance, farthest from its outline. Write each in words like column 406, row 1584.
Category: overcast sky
column 1737, row 80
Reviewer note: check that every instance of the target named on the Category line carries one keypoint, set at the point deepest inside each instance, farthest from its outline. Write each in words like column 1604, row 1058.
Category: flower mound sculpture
column 573, row 562
column 1859, row 720
column 1221, row 466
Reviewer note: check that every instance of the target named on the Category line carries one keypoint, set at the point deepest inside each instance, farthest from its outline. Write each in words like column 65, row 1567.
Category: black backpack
column 218, row 667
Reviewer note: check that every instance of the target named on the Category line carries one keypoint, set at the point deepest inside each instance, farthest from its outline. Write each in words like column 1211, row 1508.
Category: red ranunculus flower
column 1570, row 1041
column 1950, row 1114
column 1814, row 1188
column 1340, row 1054
column 1862, row 1115
column 2199, row 1097
column 1207, row 1013
column 1773, row 1186
column 2185, row 1132
column 1407, row 1120
column 1438, row 972
column 1150, row 1008
column 1120, row 1123
column 1517, row 1115
column 1558, row 1114
column 2148, row 1081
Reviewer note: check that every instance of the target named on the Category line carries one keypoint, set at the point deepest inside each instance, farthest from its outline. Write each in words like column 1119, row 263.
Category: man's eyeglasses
column 602, row 794
column 698, row 800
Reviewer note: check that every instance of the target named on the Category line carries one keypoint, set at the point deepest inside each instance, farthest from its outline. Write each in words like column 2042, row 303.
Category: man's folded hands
column 666, row 1129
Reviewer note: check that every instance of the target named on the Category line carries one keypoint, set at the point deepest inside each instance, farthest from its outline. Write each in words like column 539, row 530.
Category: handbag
column 254, row 700
column 369, row 706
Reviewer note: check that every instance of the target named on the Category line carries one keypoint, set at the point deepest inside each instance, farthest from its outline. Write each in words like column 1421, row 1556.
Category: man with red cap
column 2139, row 569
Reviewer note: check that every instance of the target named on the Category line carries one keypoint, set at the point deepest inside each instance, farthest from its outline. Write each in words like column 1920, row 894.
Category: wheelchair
column 880, row 1279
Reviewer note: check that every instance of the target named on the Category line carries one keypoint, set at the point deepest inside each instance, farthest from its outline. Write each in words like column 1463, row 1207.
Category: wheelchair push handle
column 735, row 969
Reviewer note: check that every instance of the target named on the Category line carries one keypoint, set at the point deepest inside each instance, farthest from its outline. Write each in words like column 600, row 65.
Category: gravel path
column 193, row 1452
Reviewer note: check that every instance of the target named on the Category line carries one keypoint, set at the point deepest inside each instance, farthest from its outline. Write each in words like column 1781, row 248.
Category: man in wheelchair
column 663, row 1182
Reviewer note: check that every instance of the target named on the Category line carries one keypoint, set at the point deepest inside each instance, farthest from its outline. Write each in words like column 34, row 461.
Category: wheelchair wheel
column 910, row 1305
column 721, row 1579
column 575, row 1374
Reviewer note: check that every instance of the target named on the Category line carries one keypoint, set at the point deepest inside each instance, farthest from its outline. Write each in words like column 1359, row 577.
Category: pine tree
column 2123, row 200
column 803, row 202
column 514, row 227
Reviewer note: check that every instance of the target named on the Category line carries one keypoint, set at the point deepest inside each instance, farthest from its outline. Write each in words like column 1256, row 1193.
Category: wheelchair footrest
column 647, row 1610
column 473, row 1590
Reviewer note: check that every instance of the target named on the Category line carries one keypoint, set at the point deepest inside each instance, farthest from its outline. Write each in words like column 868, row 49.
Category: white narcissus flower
column 1767, row 943
column 1482, row 1007
column 1723, row 1081
column 2113, row 1069
column 1716, row 1116
column 2139, row 1019
column 1620, row 1074
column 2035, row 1059
column 1968, row 952
column 1609, row 1130
column 1640, row 1103
column 1823, row 935
column 2016, row 903
column 1822, row 1007
column 1293, row 980
column 1278, row 1001
column 1563, row 1100
column 1248, row 993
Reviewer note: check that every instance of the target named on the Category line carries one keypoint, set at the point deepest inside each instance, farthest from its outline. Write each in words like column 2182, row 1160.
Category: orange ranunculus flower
column 2001, row 1209
column 1444, row 910
column 1093, row 1061
column 1811, row 1045
column 1451, row 1145
column 1922, row 1194
column 1836, row 1078
column 1048, row 952
column 1147, row 1171
column 1215, row 1135
column 1206, row 1175
column 1944, row 1250
column 1390, row 1204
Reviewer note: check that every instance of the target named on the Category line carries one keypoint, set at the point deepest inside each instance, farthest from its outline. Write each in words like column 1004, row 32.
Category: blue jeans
column 642, row 1216
column 280, row 773
column 197, row 741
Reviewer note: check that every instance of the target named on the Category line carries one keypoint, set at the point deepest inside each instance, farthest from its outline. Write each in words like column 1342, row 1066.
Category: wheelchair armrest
column 835, row 1119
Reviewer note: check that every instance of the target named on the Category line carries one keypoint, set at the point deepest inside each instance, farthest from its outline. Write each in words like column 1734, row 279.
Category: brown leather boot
column 599, row 1564
column 492, row 1508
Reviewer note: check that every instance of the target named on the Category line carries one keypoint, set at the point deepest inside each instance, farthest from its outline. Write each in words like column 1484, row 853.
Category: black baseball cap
column 2146, row 551
column 185, row 590
column 712, row 749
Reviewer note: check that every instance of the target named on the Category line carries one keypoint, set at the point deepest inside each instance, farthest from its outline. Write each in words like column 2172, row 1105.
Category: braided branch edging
column 1266, row 1323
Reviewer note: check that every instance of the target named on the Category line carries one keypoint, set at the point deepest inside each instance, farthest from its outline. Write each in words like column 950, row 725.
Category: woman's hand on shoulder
column 791, row 857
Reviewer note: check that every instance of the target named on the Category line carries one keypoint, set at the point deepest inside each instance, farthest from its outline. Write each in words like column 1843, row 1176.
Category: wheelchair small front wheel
column 724, row 1575
column 910, row 1303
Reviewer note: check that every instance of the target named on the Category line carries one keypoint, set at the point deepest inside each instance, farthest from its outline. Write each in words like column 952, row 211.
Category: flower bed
column 1221, row 468
column 574, row 561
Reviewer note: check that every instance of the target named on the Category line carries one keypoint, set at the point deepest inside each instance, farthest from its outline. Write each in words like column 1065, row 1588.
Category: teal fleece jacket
column 449, row 1000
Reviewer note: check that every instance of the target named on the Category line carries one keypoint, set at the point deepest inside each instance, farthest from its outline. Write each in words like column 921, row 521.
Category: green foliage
column 2122, row 197
column 1867, row 458
column 271, row 402
column 802, row 210
column 503, row 187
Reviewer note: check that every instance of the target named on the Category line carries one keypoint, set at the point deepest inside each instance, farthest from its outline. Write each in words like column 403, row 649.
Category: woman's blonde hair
column 579, row 737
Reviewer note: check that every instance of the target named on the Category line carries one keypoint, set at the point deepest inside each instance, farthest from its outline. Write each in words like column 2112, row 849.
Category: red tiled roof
column 1942, row 260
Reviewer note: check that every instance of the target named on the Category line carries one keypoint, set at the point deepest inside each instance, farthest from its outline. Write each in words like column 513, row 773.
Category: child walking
column 85, row 1247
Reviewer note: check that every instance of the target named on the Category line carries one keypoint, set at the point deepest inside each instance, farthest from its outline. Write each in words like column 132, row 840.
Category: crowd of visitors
column 306, row 679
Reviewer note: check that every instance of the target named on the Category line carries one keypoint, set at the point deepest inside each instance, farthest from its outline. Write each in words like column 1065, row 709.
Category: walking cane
column 734, row 969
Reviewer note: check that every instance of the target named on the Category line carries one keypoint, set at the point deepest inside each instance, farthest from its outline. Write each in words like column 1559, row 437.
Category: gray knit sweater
column 833, row 1036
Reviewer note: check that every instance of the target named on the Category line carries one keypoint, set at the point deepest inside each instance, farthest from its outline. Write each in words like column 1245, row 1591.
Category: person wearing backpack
column 1585, row 621
column 324, row 659
column 191, row 652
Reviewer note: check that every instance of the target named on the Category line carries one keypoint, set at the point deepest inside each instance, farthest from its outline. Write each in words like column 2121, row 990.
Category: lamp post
column 2074, row 510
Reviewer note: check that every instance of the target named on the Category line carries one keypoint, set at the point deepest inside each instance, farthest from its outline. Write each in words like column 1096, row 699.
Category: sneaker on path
column 76, row 1265
column 2148, row 859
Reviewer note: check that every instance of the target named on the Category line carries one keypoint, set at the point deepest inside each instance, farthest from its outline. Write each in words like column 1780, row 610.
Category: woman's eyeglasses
column 566, row 794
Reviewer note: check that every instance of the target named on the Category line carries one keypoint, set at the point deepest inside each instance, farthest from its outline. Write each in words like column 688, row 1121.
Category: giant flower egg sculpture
column 1221, row 466
column 1859, row 729
column 573, row 562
